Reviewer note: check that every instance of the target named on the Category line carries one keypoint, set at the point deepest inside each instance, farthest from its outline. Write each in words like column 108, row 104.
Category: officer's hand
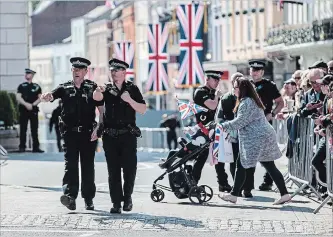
column 125, row 96
column 94, row 136
column 100, row 89
column 46, row 97
column 28, row 106
column 218, row 93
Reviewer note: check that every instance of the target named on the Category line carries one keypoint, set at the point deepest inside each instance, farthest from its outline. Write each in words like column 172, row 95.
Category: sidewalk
column 40, row 208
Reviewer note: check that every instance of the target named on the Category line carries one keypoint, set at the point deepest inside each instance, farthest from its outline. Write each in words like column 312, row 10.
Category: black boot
column 89, row 204
column 225, row 188
column 116, row 209
column 265, row 187
column 247, row 194
column 128, row 205
column 68, row 202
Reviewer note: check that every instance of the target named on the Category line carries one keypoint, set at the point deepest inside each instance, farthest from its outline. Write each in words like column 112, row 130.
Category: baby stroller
column 179, row 172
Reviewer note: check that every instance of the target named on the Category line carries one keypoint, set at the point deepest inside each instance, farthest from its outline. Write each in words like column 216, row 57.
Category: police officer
column 77, row 125
column 54, row 120
column 172, row 123
column 28, row 94
column 207, row 97
column 268, row 94
column 122, row 100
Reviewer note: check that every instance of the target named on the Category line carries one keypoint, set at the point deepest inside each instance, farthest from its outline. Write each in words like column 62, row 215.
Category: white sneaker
column 285, row 198
column 227, row 197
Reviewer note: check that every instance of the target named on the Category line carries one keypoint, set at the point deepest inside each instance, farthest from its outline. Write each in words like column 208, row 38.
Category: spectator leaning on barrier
column 313, row 98
column 297, row 76
column 330, row 67
column 322, row 122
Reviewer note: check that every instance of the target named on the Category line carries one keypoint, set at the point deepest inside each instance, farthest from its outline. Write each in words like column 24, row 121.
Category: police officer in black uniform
column 122, row 100
column 28, row 94
column 54, row 121
column 207, row 97
column 77, row 123
column 269, row 94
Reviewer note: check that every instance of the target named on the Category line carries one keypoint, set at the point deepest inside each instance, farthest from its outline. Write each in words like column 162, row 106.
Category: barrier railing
column 305, row 144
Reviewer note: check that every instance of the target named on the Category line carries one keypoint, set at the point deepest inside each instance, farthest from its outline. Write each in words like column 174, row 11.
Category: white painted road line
column 83, row 233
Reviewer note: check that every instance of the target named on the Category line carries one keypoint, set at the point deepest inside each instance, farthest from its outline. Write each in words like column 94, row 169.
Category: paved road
column 30, row 191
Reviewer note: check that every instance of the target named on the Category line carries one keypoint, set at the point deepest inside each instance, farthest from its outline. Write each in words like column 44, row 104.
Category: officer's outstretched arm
column 98, row 93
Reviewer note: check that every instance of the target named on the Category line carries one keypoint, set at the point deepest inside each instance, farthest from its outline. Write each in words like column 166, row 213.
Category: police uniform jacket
column 119, row 114
column 30, row 92
column 78, row 107
column 268, row 92
column 202, row 94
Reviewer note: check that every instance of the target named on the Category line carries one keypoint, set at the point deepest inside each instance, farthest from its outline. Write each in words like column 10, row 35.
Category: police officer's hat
column 118, row 64
column 29, row 71
column 257, row 64
column 214, row 74
column 79, row 62
column 318, row 64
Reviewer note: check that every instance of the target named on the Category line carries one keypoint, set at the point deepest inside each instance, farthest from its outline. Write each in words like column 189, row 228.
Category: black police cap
column 29, row 71
column 118, row 64
column 79, row 62
column 257, row 64
column 214, row 74
column 318, row 64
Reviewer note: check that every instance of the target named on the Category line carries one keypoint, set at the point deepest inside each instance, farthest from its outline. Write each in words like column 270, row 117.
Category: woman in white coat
column 257, row 140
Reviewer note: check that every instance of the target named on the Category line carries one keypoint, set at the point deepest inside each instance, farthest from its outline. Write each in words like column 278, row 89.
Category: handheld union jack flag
column 125, row 51
column 189, row 109
column 216, row 145
column 158, row 59
column 191, row 44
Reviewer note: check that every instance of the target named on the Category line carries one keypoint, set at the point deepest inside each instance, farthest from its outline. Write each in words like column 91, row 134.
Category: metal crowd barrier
column 300, row 169
column 153, row 140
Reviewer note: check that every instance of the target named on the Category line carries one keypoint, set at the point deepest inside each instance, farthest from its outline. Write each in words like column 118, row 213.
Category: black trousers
column 319, row 158
column 120, row 152
column 26, row 116
column 242, row 175
column 78, row 146
column 172, row 137
column 222, row 177
column 58, row 135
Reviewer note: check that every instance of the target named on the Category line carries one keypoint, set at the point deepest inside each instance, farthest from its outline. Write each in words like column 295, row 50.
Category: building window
column 68, row 64
column 56, row 65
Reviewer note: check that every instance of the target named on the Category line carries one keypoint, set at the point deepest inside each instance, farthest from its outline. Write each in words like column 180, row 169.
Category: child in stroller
column 180, row 173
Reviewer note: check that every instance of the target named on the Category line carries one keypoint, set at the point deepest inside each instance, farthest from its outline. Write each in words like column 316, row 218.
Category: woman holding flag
column 257, row 140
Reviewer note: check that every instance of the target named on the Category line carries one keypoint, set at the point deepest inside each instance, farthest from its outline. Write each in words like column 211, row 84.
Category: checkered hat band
column 256, row 65
column 117, row 65
column 79, row 63
column 213, row 75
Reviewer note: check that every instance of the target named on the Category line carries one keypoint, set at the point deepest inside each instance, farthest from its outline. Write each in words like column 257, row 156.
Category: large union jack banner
column 125, row 51
column 190, row 19
column 158, row 58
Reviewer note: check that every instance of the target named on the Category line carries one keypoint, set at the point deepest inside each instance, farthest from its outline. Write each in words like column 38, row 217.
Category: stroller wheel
column 197, row 195
column 209, row 192
column 157, row 195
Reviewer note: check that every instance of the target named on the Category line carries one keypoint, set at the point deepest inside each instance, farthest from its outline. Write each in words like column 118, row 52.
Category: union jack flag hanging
column 188, row 109
column 191, row 44
column 158, row 58
column 125, row 51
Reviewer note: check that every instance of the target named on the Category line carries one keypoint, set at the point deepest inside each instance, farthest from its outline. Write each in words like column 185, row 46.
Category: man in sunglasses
column 313, row 98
